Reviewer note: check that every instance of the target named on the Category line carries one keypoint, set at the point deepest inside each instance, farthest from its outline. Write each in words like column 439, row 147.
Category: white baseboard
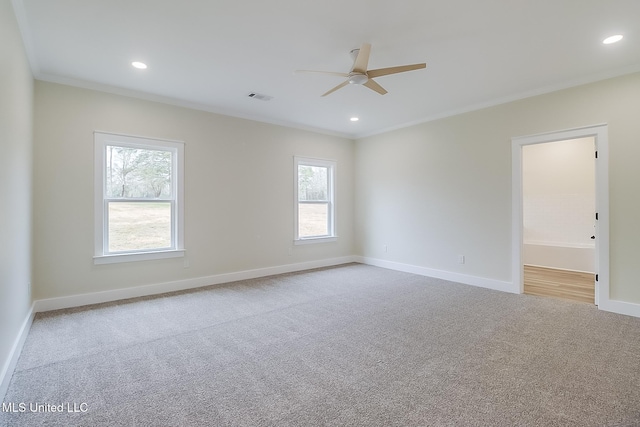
column 620, row 307
column 14, row 354
column 180, row 285
column 614, row 306
column 466, row 279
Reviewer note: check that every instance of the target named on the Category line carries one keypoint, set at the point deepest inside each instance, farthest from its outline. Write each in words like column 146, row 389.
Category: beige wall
column 427, row 193
column 16, row 114
column 439, row 189
column 239, row 191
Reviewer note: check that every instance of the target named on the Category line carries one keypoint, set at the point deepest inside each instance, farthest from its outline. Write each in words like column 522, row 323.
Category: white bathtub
column 577, row 258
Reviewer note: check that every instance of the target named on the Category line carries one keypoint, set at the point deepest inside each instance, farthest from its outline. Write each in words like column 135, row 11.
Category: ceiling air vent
column 260, row 96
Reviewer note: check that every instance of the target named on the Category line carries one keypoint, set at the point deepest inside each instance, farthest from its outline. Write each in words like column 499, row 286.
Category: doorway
column 559, row 241
column 558, row 206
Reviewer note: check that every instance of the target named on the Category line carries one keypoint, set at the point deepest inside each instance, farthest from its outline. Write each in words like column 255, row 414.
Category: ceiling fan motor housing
column 358, row 78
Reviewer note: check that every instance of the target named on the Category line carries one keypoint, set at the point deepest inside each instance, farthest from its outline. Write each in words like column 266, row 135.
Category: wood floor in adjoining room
column 551, row 282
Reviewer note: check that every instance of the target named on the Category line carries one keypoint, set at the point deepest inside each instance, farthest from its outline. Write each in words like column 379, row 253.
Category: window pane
column 313, row 219
column 137, row 172
column 139, row 225
column 312, row 183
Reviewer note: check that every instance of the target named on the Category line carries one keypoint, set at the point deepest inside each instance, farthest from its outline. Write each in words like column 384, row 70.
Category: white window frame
column 331, row 165
column 101, row 252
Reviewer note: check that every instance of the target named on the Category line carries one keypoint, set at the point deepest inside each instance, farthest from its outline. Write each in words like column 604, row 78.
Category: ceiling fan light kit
column 359, row 75
column 358, row 79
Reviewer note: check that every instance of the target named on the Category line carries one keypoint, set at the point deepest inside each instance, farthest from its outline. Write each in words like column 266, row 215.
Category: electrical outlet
column 460, row 259
column 385, row 248
column 185, row 262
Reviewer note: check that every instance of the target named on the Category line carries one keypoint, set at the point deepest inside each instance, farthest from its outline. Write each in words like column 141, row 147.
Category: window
column 315, row 203
column 138, row 198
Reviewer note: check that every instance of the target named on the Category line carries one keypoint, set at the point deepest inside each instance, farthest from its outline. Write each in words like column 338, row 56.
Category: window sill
column 312, row 240
column 138, row 256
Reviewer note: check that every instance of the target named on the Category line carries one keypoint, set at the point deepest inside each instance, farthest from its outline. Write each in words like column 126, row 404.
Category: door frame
column 601, row 142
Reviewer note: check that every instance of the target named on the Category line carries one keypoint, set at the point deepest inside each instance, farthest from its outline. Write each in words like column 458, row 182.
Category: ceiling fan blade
column 331, row 73
column 341, row 85
column 371, row 84
column 362, row 60
column 394, row 70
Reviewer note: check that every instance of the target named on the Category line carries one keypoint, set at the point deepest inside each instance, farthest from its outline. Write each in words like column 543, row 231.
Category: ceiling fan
column 359, row 75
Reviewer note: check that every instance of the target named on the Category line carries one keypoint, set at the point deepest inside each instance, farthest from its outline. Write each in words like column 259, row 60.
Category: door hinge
column 596, row 277
column 596, row 154
column 596, row 216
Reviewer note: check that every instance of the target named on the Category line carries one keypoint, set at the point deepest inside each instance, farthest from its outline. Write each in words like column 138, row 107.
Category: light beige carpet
column 347, row 346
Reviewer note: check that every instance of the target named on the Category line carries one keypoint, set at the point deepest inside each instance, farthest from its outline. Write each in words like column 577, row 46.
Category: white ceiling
column 210, row 54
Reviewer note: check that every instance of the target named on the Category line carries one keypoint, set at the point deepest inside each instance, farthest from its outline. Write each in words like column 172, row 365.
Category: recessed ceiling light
column 140, row 65
column 354, row 119
column 612, row 39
